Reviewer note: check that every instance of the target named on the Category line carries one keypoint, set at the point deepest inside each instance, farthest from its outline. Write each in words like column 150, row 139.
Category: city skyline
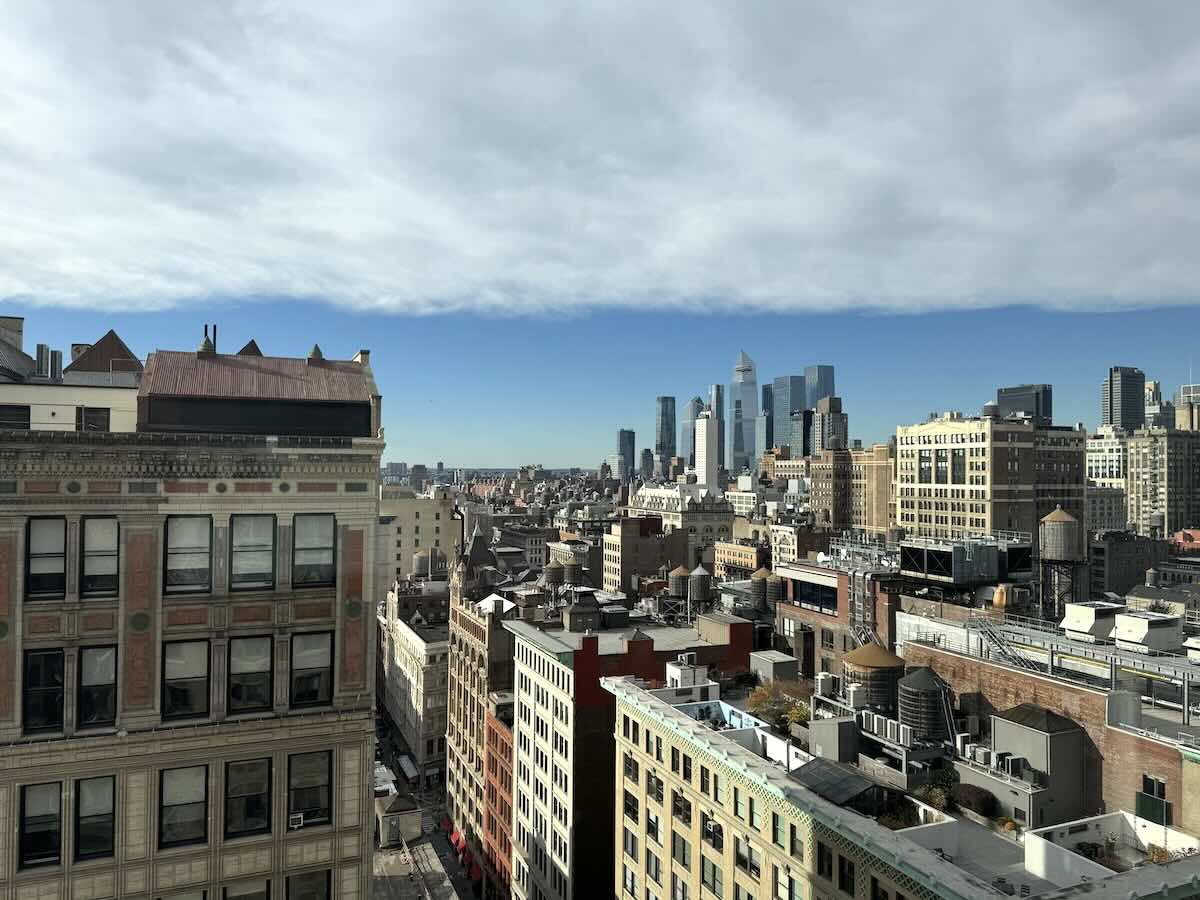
column 426, row 390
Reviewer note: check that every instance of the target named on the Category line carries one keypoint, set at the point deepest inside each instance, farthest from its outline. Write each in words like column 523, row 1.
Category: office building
column 979, row 476
column 1108, row 458
column 95, row 391
column 498, row 795
column 1031, row 401
column 1118, row 560
column 189, row 641
column 1123, row 398
column 627, row 450
column 743, row 410
column 787, row 396
column 762, row 434
column 716, row 404
column 1160, row 413
column 636, row 546
column 646, row 464
column 818, row 384
column 738, row 560
column 708, row 450
column 564, row 756
column 1187, row 415
column 409, row 523
column 1106, row 508
column 830, row 426
column 414, row 667
column 532, row 540
column 703, row 515
column 1163, row 481
column 664, row 427
column 765, row 440
column 687, row 430
column 802, row 433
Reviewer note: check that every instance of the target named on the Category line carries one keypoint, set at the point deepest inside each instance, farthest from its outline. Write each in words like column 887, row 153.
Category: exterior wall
column 416, row 670
column 732, row 562
column 52, row 406
column 141, row 479
column 1163, row 485
column 636, row 546
column 417, row 523
column 498, row 804
column 703, row 517
column 1119, row 560
column 1114, row 760
column 1106, row 509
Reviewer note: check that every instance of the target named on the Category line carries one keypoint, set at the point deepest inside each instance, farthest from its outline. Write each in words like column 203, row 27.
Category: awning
column 476, row 875
column 407, row 767
column 466, row 856
column 457, row 839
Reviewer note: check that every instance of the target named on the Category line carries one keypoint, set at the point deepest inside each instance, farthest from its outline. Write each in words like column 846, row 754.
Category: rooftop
column 612, row 641
column 174, row 373
column 1038, row 718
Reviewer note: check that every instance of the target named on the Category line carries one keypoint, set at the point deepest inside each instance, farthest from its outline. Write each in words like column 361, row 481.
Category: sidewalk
column 428, row 870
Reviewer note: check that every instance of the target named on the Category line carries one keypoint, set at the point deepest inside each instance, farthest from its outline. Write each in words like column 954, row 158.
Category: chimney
column 214, row 337
column 206, row 346
column 43, row 361
column 315, row 356
column 363, row 357
column 77, row 350
column 56, row 365
column 12, row 331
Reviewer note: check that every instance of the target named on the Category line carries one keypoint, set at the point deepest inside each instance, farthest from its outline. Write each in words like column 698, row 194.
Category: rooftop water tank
column 677, row 581
column 878, row 671
column 922, row 707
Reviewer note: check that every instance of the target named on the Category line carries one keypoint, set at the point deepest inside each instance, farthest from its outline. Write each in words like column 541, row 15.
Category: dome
column 761, row 573
column 872, row 656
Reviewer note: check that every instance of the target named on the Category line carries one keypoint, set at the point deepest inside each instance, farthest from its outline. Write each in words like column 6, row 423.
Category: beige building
column 853, row 489
column 698, row 814
column 1163, row 481
column 738, row 560
column 703, row 515
column 635, row 545
column 962, row 476
column 410, row 522
column 1108, row 457
column 187, row 643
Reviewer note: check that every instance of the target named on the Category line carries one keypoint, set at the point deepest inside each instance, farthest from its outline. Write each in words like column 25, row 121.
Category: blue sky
column 478, row 390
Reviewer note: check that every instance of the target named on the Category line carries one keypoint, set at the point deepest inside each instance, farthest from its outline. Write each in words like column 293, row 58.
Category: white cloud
column 537, row 157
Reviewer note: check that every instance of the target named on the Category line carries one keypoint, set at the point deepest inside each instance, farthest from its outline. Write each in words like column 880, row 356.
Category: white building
column 1108, row 457
column 708, row 450
column 706, row 516
column 409, row 522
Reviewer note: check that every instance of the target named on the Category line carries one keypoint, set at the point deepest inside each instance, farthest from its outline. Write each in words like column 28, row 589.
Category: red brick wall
column 1114, row 759
column 140, row 661
column 354, row 635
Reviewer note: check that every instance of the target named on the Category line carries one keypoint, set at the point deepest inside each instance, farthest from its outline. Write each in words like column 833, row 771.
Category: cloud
column 543, row 158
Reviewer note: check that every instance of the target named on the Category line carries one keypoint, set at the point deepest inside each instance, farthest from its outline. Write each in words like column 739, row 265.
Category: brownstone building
column 186, row 640
column 498, row 800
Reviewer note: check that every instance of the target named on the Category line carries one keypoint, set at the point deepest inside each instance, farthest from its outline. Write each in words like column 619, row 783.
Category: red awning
column 466, row 856
column 476, row 875
column 457, row 840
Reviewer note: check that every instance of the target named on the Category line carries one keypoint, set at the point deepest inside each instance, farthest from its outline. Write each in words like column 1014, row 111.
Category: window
column 629, row 842
column 91, row 418
column 630, row 767
column 681, row 850
column 824, row 861
column 41, row 825
column 746, row 857
column 309, row 886
column 738, row 808
column 46, row 558
column 654, row 786
column 628, row 880
column 687, row 768
column 681, row 807
column 189, row 555
column 755, row 817
column 878, row 891
column 652, row 827
column 710, row 875
column 703, row 780
column 251, row 552
column 14, row 418
column 797, row 846
column 675, row 760
column 101, row 547
column 97, row 700
column 845, row 875
column 309, row 778
column 653, row 868
column 776, row 829
column 249, row 674
column 247, row 797
column 249, row 890
column 826, row 639
column 712, row 832
column 679, row 888
column 42, row 698
column 741, row 893
column 185, row 680
column 94, row 824
column 630, row 805
column 785, row 885
column 183, row 806
column 312, row 669
column 312, row 550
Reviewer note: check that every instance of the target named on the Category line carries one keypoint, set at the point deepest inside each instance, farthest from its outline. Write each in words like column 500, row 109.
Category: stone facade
column 138, row 481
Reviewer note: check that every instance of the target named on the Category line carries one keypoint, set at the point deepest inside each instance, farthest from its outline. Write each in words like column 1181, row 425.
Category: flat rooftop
column 612, row 640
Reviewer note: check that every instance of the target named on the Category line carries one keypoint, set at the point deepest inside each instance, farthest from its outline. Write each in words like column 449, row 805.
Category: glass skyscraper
column 818, row 384
column 664, row 428
column 787, row 396
column 743, row 410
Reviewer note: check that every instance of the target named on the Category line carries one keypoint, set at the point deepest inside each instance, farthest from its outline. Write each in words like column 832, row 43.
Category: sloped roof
column 109, row 354
column 1038, row 718
column 1059, row 515
column 922, row 678
column 16, row 361
column 873, row 656
column 834, row 781
column 172, row 373
column 250, row 349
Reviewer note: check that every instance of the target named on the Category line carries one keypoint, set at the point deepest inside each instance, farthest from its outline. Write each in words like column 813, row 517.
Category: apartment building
column 1163, row 481
column 1106, row 509
column 498, row 798
column 186, row 639
column 706, row 805
column 636, row 545
column 563, row 752
column 703, row 515
column 531, row 540
column 410, row 522
column 1108, row 457
column 415, row 670
column 853, row 489
column 962, row 476
column 738, row 560
column 792, row 542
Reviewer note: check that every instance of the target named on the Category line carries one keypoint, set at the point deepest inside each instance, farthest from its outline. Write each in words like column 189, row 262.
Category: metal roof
column 172, row 373
column 1038, row 718
column 835, row 782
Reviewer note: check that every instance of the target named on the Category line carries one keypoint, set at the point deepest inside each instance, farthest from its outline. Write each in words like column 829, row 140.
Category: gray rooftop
column 612, row 640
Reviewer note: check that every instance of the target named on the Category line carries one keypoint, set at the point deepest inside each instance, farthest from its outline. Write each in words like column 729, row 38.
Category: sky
column 578, row 182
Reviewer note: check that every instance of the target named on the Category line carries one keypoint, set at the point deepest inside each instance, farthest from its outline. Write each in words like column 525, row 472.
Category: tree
column 977, row 799
column 771, row 704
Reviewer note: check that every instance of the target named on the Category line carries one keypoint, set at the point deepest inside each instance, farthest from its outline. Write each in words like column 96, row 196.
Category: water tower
column 1063, row 563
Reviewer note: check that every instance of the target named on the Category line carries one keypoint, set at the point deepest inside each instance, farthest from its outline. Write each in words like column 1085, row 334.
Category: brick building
column 186, row 639
column 498, row 795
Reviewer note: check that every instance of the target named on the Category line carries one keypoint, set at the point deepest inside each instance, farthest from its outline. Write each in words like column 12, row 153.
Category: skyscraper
column 743, row 410
column 716, row 402
column 1123, row 398
column 708, row 445
column 818, row 384
column 626, row 449
column 687, row 430
column 830, row 425
column 1033, row 400
column 664, row 427
column 787, row 396
column 764, row 434
column 647, row 464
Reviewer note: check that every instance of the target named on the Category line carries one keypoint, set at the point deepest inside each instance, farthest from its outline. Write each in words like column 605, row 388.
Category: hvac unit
column 880, row 725
column 960, row 742
column 824, row 684
column 906, row 735
column 969, row 751
column 893, row 731
column 296, row 820
column 856, row 696
column 983, row 756
column 1000, row 760
column 865, row 719
column 1016, row 765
